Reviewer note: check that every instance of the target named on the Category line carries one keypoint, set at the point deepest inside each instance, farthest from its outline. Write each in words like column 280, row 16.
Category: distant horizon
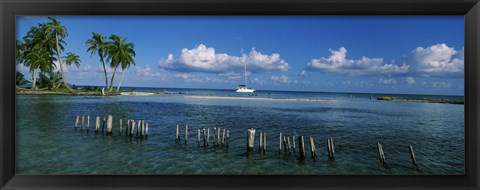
column 348, row 54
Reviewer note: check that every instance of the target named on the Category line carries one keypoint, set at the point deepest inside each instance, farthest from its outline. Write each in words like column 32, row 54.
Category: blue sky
column 372, row 54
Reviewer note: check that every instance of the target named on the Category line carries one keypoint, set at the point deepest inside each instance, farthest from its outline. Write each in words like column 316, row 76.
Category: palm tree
column 39, row 59
column 119, row 52
column 72, row 58
column 97, row 45
column 55, row 29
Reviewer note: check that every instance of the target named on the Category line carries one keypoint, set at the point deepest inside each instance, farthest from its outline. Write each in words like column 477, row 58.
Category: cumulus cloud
column 410, row 80
column 389, row 81
column 438, row 59
column 282, row 79
column 338, row 63
column 205, row 59
column 146, row 71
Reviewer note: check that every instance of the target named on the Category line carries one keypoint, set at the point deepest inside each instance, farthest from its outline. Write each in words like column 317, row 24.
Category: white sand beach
column 137, row 93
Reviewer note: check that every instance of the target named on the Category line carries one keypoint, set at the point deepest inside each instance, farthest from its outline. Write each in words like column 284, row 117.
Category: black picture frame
column 9, row 8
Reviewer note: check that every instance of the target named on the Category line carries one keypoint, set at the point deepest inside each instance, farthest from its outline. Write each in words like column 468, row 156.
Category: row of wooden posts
column 141, row 129
column 205, row 133
column 289, row 146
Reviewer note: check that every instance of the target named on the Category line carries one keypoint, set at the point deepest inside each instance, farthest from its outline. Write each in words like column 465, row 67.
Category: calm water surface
column 48, row 143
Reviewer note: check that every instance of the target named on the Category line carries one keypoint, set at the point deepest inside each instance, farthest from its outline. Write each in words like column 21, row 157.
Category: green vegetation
column 426, row 100
column 44, row 44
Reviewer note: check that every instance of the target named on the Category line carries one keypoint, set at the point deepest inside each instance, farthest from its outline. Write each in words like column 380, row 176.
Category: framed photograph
column 270, row 94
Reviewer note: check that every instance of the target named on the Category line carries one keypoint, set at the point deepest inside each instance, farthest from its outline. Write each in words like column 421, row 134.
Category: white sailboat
column 243, row 88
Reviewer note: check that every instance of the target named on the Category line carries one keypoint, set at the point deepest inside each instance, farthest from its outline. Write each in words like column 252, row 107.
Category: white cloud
column 231, row 75
column 438, row 60
column 146, row 71
column 183, row 76
column 205, row 59
column 437, row 84
column 282, row 79
column 389, row 81
column 338, row 63
column 410, row 80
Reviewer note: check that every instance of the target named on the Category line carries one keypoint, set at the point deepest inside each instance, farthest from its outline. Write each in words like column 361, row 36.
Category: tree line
column 44, row 44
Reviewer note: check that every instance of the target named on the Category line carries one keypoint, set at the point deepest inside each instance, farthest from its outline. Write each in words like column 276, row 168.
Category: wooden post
column 380, row 153
column 250, row 139
column 146, row 131
column 228, row 138
column 109, row 125
column 285, row 144
column 260, row 141
column 143, row 128
column 293, row 140
column 186, row 133
column 139, row 127
column 120, row 129
column 83, row 120
column 88, row 121
column 331, row 150
column 301, row 147
column 76, row 122
column 223, row 137
column 312, row 147
column 132, row 129
column 128, row 127
column 97, row 124
column 204, row 137
column 412, row 155
column 208, row 136
column 280, row 144
column 218, row 136
column 289, row 147
column 198, row 130
column 264, row 141
column 177, row 135
column 215, row 136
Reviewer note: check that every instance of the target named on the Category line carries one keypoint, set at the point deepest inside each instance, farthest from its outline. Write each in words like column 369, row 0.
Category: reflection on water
column 47, row 142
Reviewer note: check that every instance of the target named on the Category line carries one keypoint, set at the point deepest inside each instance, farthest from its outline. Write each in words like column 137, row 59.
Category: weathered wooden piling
column 139, row 127
column 215, row 136
column 76, row 122
column 293, row 142
column 186, row 134
column 285, row 144
column 146, row 131
column 260, row 141
column 227, row 141
column 97, row 124
column 177, row 135
column 208, row 136
column 381, row 155
column 120, row 128
column 301, row 148
column 264, row 141
column 289, row 147
column 132, row 130
column 312, row 148
column 218, row 136
column 83, row 121
column 204, row 137
column 331, row 150
column 88, row 121
column 250, row 139
column 109, row 124
column 127, row 130
column 223, row 137
column 412, row 155
column 280, row 144
column 198, row 133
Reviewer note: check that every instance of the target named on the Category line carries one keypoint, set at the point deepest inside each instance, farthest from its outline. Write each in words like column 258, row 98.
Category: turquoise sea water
column 48, row 143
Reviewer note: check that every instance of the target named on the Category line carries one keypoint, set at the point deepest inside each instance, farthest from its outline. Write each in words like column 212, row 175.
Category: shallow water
column 48, row 143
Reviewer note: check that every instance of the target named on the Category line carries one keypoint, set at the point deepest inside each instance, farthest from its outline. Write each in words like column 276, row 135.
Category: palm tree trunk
column 121, row 78
column 113, row 77
column 34, row 79
column 105, row 71
column 60, row 63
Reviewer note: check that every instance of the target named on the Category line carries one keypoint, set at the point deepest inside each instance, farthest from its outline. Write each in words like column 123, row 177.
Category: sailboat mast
column 245, row 74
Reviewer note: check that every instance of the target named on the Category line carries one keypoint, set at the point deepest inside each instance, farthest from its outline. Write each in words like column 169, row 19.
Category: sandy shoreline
column 137, row 93
column 254, row 98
